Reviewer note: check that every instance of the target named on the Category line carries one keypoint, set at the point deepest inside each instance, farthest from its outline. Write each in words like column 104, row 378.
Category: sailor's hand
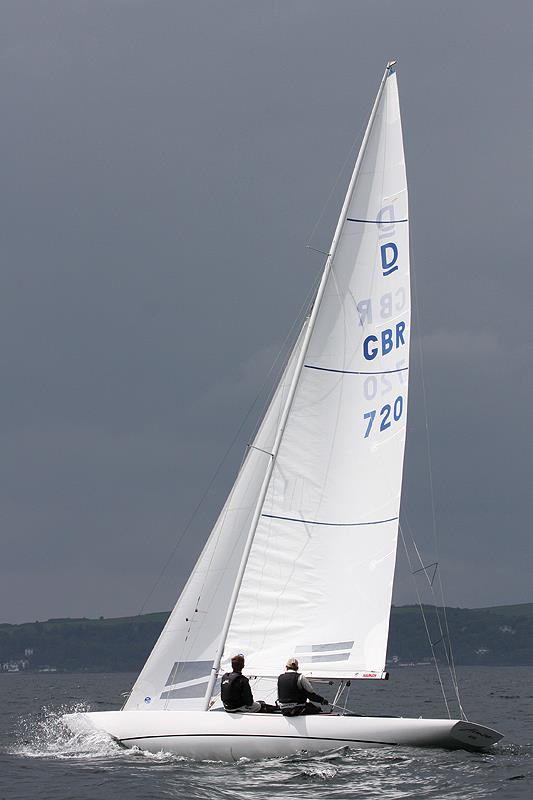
column 324, row 702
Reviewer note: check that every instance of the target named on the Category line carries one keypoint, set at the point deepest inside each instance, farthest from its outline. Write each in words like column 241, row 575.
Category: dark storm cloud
column 163, row 165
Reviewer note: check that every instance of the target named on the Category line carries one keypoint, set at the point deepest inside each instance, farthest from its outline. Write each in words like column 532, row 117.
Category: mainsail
column 315, row 506
column 318, row 581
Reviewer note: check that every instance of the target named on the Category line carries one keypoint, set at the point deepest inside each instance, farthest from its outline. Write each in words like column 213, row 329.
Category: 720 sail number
column 389, row 413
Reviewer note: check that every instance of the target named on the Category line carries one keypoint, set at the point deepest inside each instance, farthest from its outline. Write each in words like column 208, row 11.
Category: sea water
column 40, row 758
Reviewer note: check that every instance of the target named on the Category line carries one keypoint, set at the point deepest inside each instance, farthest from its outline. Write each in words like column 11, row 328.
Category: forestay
column 318, row 581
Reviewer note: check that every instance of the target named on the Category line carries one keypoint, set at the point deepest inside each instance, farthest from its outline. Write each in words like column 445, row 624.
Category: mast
column 291, row 393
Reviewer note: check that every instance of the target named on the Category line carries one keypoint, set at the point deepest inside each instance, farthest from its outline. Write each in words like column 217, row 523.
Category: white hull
column 227, row 737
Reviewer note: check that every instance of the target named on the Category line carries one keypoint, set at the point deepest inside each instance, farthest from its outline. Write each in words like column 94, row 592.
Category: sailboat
column 301, row 560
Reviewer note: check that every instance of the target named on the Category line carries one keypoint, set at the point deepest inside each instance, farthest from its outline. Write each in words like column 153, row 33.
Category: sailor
column 236, row 694
column 294, row 692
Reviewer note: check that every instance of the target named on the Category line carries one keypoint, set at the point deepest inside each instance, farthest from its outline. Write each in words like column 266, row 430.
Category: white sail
column 177, row 670
column 318, row 580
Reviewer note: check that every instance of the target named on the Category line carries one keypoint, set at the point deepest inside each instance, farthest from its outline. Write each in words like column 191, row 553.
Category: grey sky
column 162, row 167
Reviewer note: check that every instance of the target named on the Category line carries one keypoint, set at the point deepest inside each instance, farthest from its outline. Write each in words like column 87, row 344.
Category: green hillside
column 501, row 635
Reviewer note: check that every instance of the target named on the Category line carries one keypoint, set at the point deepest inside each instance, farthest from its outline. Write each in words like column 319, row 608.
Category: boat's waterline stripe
column 385, row 222
column 331, row 524
column 250, row 736
column 351, row 372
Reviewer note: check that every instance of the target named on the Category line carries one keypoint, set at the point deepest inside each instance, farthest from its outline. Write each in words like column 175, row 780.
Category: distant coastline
column 495, row 636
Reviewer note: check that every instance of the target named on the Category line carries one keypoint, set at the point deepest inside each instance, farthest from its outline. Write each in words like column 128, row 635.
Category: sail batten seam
column 386, row 222
column 353, row 372
column 330, row 524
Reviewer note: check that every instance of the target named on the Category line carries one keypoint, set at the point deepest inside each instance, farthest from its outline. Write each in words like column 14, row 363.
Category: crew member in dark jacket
column 236, row 694
column 294, row 692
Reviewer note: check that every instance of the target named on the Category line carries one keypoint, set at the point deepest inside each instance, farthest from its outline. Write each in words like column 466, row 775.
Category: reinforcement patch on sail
column 331, row 647
column 196, row 690
column 183, row 671
column 187, row 679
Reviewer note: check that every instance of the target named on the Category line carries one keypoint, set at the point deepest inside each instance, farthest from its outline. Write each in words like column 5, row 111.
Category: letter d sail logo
column 389, row 256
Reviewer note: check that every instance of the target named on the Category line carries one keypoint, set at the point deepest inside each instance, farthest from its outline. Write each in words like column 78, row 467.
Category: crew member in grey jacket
column 296, row 693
